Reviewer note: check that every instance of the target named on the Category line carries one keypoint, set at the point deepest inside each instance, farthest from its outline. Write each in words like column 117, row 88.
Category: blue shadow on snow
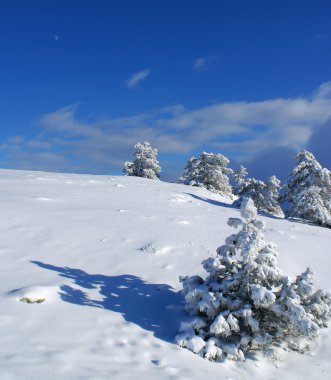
column 237, row 207
column 211, row 201
column 153, row 307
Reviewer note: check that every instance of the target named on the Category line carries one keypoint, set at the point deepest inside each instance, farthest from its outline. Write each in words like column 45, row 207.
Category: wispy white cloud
column 134, row 80
column 238, row 129
column 203, row 64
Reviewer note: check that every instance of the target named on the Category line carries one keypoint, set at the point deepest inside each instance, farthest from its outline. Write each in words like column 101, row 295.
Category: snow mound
column 36, row 294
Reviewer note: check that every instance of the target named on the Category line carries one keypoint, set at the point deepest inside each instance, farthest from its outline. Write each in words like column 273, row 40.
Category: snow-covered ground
column 105, row 254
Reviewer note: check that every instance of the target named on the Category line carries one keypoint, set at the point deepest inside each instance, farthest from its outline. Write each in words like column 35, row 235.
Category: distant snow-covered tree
column 238, row 178
column 264, row 195
column 254, row 189
column 209, row 171
column 246, row 303
column 308, row 191
column 272, row 197
column 145, row 163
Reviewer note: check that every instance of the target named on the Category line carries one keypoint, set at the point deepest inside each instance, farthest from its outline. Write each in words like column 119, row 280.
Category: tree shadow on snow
column 153, row 307
column 211, row 201
column 235, row 207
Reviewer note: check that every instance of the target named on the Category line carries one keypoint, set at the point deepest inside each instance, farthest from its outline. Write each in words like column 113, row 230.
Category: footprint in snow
column 154, row 248
column 118, row 185
column 160, row 362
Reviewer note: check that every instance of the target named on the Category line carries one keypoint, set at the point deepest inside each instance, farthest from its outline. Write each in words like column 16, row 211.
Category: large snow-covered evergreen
column 209, row 171
column 246, row 303
column 145, row 164
column 308, row 191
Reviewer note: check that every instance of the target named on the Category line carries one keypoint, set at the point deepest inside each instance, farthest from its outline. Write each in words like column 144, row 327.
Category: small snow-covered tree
column 145, row 163
column 272, row 197
column 308, row 191
column 238, row 178
column 245, row 303
column 209, row 171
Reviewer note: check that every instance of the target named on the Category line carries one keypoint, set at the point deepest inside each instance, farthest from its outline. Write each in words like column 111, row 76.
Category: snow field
column 106, row 253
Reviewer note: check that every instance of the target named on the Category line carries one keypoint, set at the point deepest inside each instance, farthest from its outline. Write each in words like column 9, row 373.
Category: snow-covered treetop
column 209, row 171
column 306, row 165
column 308, row 191
column 247, row 210
column 145, row 163
column 239, row 175
column 307, row 157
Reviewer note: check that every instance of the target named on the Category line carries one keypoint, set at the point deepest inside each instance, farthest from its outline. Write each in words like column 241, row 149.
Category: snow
column 262, row 296
column 105, row 253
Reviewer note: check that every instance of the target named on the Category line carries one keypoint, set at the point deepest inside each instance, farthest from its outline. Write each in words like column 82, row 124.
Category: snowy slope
column 105, row 253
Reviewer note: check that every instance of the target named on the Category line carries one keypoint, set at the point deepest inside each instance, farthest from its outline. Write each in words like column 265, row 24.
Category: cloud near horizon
column 135, row 79
column 242, row 131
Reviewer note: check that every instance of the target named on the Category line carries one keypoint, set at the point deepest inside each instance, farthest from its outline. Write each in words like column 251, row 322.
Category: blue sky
column 82, row 81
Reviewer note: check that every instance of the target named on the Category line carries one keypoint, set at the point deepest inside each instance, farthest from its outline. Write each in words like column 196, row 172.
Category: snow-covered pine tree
column 254, row 189
column 264, row 195
column 145, row 163
column 246, row 303
column 308, row 191
column 209, row 171
column 192, row 172
column 272, row 197
column 238, row 178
